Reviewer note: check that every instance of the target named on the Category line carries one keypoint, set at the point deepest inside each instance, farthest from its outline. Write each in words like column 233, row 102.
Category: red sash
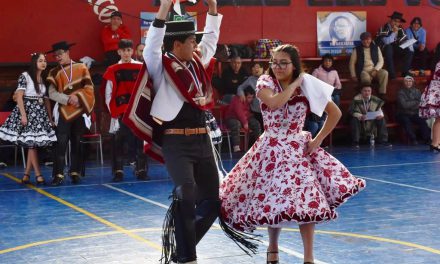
column 137, row 115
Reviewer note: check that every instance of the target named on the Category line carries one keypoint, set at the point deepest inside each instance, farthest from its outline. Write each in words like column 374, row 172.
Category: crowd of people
column 283, row 179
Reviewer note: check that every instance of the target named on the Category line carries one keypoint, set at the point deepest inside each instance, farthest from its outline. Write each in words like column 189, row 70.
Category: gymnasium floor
column 394, row 220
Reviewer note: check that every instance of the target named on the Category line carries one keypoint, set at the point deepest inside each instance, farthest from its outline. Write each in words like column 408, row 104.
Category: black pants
column 407, row 122
column 357, row 129
column 122, row 139
column 191, row 165
column 66, row 131
column 404, row 55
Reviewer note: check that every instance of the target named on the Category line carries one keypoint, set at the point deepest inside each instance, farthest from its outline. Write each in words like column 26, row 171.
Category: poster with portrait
column 339, row 32
column 147, row 19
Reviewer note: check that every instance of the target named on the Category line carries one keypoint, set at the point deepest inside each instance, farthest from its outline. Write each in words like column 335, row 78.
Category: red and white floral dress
column 430, row 101
column 276, row 182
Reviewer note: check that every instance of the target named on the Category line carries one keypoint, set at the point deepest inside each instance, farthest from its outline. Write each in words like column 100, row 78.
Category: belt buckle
column 186, row 131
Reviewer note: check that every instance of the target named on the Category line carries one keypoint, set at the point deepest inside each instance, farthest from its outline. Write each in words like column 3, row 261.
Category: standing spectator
column 419, row 50
column 251, row 81
column 408, row 100
column 110, row 36
column 120, row 79
column 138, row 52
column 30, row 123
column 389, row 37
column 72, row 89
column 430, row 107
column 366, row 64
column 232, row 77
column 363, row 127
column 239, row 115
column 326, row 73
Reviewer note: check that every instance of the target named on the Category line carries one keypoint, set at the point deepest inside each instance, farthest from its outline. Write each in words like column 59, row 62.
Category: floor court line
column 285, row 250
column 399, row 184
column 87, row 213
column 394, row 164
column 297, row 254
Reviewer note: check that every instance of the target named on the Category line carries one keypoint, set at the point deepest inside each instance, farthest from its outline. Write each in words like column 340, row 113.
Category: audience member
column 138, row 52
column 72, row 89
column 366, row 64
column 110, row 36
column 251, row 81
column 389, row 38
column 120, row 80
column 239, row 115
column 408, row 100
column 430, row 107
column 419, row 50
column 326, row 73
column 231, row 78
column 364, row 126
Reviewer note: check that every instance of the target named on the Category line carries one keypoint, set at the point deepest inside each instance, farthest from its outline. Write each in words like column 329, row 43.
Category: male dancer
column 72, row 89
column 120, row 79
column 180, row 94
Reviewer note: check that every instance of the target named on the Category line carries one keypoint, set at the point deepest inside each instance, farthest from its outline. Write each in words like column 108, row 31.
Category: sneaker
column 385, row 144
column 57, row 180
column 355, row 145
column 3, row 165
column 74, row 176
column 237, row 149
column 119, row 176
column 48, row 163
column 141, row 175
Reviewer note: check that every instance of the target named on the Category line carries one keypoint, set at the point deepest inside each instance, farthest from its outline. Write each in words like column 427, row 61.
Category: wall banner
column 339, row 32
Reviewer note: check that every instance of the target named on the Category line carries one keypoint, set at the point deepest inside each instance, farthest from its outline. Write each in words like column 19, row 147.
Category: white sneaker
column 237, row 149
column 3, row 165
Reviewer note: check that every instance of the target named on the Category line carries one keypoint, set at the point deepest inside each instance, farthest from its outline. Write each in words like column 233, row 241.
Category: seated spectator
column 110, row 36
column 231, row 78
column 361, row 126
column 238, row 115
column 138, row 52
column 326, row 73
column 251, row 81
column 389, row 37
column 408, row 100
column 419, row 50
column 366, row 64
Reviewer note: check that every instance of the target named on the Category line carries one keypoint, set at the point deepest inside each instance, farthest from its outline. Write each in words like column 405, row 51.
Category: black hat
column 116, row 13
column 62, row 45
column 365, row 35
column 181, row 28
column 397, row 15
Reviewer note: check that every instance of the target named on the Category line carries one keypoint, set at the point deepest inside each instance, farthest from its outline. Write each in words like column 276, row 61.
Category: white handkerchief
column 318, row 93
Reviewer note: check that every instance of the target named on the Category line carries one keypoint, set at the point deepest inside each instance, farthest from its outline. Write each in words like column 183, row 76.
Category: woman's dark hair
column 33, row 69
column 293, row 53
column 248, row 91
column 168, row 42
column 327, row 56
column 416, row 20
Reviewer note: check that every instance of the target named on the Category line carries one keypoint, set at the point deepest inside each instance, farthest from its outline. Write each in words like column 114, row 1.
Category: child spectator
column 238, row 115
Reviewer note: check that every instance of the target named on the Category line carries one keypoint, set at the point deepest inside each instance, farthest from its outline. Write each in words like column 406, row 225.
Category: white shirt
column 167, row 102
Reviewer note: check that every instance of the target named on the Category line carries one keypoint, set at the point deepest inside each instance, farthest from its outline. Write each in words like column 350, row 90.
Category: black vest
column 374, row 52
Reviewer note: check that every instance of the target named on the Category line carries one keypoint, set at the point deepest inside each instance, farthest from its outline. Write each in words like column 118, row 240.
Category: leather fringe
column 168, row 234
column 246, row 241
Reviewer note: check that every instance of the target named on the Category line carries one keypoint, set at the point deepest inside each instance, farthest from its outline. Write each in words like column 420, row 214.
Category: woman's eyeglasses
column 282, row 65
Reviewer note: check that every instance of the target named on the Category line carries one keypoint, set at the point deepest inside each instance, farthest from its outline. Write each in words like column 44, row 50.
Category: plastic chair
column 94, row 137
column 5, row 144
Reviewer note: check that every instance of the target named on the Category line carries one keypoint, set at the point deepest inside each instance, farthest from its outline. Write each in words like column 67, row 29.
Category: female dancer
column 430, row 107
column 286, row 177
column 29, row 124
